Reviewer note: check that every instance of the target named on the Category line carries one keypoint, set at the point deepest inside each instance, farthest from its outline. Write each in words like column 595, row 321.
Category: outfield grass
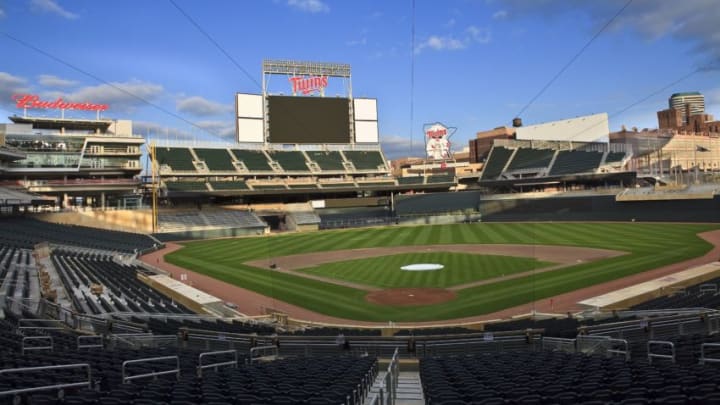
column 649, row 245
column 460, row 268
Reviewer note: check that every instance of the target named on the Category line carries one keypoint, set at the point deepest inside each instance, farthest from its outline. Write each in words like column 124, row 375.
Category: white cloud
column 691, row 21
column 451, row 23
column 54, row 81
column 2, row 13
column 10, row 85
column 500, row 15
column 202, row 107
column 357, row 42
column 395, row 146
column 479, row 35
column 120, row 96
column 310, row 6
column 222, row 129
column 472, row 34
column 50, row 6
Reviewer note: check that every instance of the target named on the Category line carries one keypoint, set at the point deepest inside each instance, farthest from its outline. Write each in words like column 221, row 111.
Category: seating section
column 449, row 178
column 229, row 185
column 575, row 161
column 421, row 204
column 121, row 290
column 562, row 378
column 290, row 161
column 25, row 232
column 18, row 274
column 169, row 326
column 215, row 159
column 411, row 180
column 528, row 158
column 186, row 186
column 254, row 160
column 179, row 159
column 703, row 295
column 332, row 218
column 306, row 217
column 366, row 160
column 496, row 163
column 614, row 157
column 171, row 221
column 331, row 160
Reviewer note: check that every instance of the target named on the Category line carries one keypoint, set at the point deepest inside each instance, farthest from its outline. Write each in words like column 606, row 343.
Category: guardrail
column 703, row 357
column 176, row 370
column 256, row 353
column 36, row 338
column 652, row 355
column 202, row 366
column 558, row 344
column 44, row 369
column 94, row 338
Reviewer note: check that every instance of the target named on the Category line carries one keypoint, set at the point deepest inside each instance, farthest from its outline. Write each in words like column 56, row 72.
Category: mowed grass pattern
column 649, row 246
column 460, row 268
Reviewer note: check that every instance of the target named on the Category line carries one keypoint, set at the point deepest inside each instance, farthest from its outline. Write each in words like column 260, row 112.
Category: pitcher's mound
column 410, row 296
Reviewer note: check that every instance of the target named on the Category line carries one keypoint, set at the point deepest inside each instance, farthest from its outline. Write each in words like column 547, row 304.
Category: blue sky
column 476, row 62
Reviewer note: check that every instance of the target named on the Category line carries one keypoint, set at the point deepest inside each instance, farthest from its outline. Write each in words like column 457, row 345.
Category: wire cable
column 114, row 86
column 412, row 79
column 214, row 42
column 573, row 59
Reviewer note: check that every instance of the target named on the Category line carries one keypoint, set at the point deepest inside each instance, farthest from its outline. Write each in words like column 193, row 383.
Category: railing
column 704, row 358
column 387, row 393
column 202, row 366
column 623, row 351
column 44, row 369
column 90, row 339
column 558, row 344
column 36, row 338
column 652, row 355
column 126, row 378
column 257, row 353
column 143, row 340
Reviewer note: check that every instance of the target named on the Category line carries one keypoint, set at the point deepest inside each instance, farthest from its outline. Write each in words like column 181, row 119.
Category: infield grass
column 649, row 246
column 460, row 268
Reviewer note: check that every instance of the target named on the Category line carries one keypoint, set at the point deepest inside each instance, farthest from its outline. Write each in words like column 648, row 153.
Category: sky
column 470, row 64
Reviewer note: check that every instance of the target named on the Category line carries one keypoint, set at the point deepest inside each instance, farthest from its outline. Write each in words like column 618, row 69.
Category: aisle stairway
column 409, row 391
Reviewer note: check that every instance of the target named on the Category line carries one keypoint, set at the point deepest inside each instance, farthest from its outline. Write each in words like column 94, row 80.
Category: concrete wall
column 138, row 221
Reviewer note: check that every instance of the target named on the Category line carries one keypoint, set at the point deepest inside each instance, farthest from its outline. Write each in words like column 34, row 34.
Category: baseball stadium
column 295, row 265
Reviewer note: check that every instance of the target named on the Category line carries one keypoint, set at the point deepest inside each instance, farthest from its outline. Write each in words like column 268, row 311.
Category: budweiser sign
column 33, row 101
column 307, row 85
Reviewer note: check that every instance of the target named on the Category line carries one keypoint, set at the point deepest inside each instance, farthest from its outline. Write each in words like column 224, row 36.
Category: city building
column 689, row 103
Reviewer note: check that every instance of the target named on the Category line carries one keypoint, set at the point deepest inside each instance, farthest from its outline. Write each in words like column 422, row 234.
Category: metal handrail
column 87, row 383
column 202, row 366
column 89, row 345
column 625, row 352
column 176, row 370
column 28, row 338
column 564, row 341
column 703, row 358
column 262, row 349
column 652, row 355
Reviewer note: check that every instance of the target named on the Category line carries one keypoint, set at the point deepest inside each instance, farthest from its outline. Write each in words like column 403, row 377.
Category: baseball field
column 356, row 274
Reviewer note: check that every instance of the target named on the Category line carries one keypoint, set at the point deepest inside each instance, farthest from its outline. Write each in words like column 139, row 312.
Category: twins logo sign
column 437, row 140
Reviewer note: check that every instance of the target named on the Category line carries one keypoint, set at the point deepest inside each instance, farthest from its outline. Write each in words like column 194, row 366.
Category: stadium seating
column 614, row 157
column 702, row 295
column 215, row 159
column 331, row 218
column 290, row 161
column 186, row 186
column 411, row 180
column 171, row 221
column 575, row 161
column 419, row 204
column 228, row 185
column 496, row 162
column 328, row 161
column 254, row 160
column 527, row 158
column 179, row 159
column 449, row 178
column 27, row 232
column 366, row 160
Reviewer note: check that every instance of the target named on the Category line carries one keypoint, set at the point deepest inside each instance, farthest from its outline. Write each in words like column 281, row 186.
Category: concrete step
column 409, row 390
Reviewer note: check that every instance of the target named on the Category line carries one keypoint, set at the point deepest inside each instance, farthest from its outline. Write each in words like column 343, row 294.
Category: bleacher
column 327, row 160
column 366, row 160
column 528, row 158
column 25, row 232
column 121, row 291
column 254, row 160
column 496, row 162
column 575, row 161
column 411, row 180
column 332, row 218
column 436, row 179
column 614, row 157
column 186, row 185
column 702, row 295
column 171, row 221
column 215, row 159
column 229, row 185
column 290, row 161
column 433, row 203
column 179, row 159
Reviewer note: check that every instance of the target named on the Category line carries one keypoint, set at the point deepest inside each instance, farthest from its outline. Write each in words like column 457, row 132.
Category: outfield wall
column 598, row 208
